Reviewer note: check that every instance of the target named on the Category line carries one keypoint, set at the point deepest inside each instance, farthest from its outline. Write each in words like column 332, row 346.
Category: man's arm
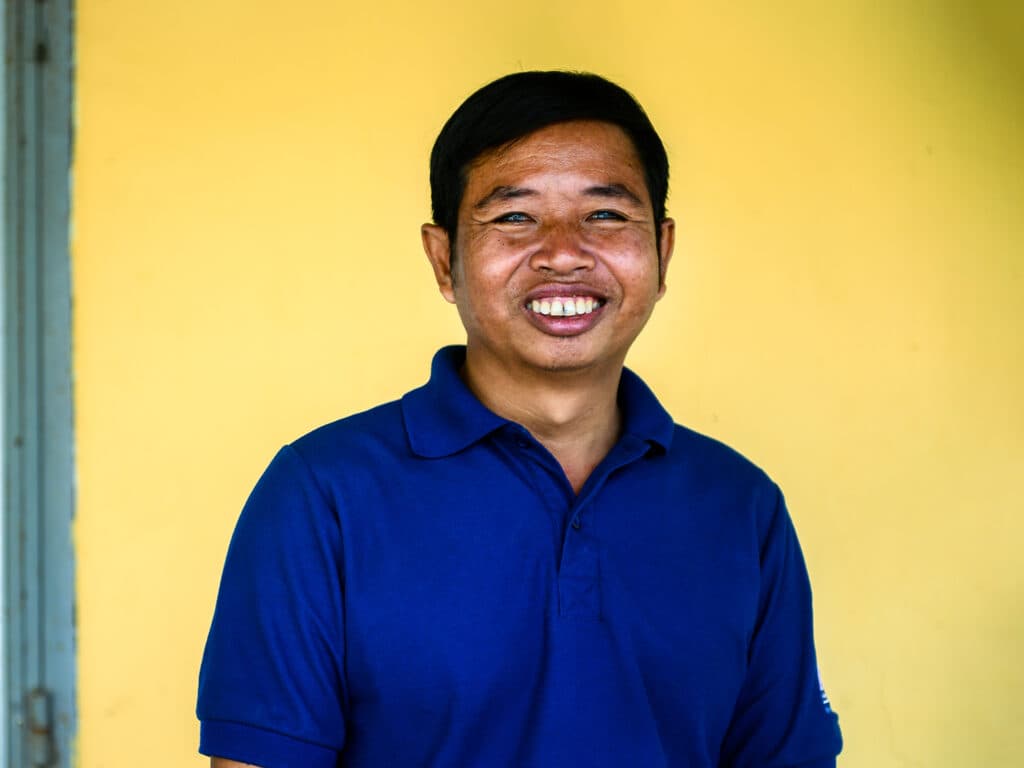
column 271, row 687
column 223, row 762
column 782, row 711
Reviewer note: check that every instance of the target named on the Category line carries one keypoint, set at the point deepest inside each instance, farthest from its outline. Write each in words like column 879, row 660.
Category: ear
column 437, row 246
column 666, row 242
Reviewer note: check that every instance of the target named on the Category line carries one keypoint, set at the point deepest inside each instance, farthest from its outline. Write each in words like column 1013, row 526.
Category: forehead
column 597, row 151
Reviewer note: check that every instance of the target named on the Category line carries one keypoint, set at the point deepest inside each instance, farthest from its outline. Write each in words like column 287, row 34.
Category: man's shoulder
column 714, row 461
column 355, row 436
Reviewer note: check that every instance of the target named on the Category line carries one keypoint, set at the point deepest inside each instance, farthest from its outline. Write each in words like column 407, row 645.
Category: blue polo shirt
column 418, row 585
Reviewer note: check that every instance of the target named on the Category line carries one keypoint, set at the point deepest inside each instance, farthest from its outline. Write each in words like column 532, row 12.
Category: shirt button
column 522, row 443
column 576, row 523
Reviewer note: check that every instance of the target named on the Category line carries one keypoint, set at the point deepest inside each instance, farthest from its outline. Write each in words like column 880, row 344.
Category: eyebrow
column 614, row 191
column 503, row 192
column 508, row 192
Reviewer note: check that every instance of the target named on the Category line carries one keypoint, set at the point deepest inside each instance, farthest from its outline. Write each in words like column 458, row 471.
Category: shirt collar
column 643, row 416
column 444, row 417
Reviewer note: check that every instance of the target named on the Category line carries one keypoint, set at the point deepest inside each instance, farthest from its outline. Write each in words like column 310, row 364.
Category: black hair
column 519, row 104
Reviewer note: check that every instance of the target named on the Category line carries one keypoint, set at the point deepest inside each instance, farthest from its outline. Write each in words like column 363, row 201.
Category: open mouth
column 564, row 306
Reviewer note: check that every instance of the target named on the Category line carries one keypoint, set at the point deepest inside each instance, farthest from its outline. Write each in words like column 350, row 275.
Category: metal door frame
column 37, row 677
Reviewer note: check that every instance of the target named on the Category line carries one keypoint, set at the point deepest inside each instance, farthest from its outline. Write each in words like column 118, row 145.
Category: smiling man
column 524, row 562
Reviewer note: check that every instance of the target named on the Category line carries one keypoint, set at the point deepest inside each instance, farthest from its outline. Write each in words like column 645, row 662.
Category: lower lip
column 571, row 325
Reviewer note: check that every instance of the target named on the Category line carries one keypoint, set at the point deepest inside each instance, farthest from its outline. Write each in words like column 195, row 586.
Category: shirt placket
column 579, row 567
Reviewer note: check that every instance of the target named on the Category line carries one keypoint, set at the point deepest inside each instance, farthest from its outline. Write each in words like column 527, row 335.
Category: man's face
column 557, row 264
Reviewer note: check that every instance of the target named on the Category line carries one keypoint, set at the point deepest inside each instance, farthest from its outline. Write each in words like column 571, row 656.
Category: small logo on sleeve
column 824, row 696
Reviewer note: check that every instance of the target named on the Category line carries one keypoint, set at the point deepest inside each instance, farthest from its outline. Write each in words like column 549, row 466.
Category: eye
column 606, row 216
column 512, row 218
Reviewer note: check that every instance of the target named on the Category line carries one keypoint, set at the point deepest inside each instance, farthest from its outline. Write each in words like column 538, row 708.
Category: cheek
column 495, row 273
column 628, row 245
column 637, row 273
column 487, row 293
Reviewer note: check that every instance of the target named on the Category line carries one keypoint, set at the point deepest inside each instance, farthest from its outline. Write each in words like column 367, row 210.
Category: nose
column 561, row 250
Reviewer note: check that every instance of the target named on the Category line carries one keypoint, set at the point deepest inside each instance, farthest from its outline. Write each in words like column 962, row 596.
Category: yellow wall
column 845, row 307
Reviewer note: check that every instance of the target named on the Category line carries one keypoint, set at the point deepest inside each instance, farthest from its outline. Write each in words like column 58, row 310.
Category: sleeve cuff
column 825, row 762
column 267, row 749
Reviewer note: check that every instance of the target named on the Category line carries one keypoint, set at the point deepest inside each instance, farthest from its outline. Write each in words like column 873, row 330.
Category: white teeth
column 567, row 306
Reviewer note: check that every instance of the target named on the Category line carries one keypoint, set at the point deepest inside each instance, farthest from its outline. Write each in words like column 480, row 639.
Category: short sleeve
column 271, row 684
column 782, row 718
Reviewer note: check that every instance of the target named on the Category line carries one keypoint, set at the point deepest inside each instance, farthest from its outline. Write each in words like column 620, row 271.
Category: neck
column 574, row 414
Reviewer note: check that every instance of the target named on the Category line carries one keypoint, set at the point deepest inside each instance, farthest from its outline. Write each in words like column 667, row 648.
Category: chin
column 567, row 360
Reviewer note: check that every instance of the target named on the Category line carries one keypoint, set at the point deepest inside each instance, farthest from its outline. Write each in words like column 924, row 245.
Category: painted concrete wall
column 845, row 307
